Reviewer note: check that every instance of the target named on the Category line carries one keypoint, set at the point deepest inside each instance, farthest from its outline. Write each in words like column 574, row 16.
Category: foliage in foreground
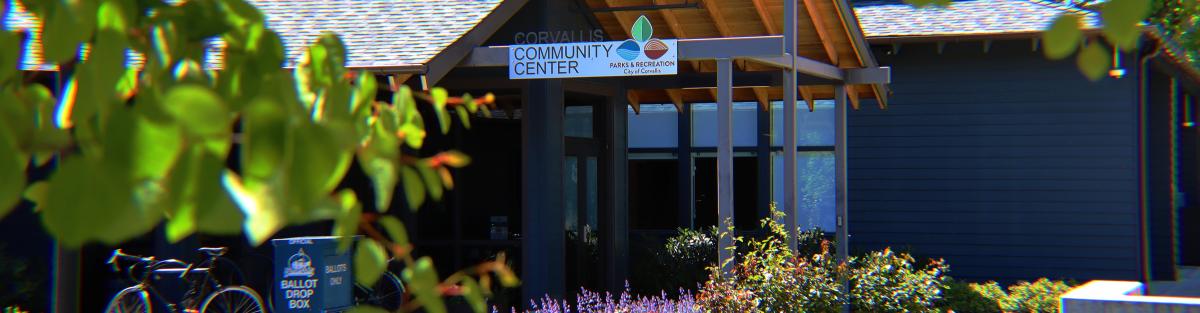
column 149, row 140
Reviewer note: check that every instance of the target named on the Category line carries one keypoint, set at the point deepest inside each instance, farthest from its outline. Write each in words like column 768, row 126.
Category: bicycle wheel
column 235, row 299
column 130, row 300
column 387, row 294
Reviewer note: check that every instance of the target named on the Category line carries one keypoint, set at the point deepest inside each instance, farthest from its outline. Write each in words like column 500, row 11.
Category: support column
column 763, row 152
column 542, row 149
column 840, row 182
column 687, row 175
column 616, row 228
column 725, row 160
column 790, row 205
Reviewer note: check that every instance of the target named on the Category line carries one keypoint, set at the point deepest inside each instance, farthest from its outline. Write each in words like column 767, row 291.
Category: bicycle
column 217, row 297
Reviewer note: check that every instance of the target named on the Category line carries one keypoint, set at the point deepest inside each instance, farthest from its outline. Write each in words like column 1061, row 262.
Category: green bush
column 971, row 298
column 686, row 256
column 884, row 281
column 768, row 277
column 1040, row 296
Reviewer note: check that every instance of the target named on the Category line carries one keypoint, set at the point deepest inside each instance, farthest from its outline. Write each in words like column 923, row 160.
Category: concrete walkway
column 1188, row 284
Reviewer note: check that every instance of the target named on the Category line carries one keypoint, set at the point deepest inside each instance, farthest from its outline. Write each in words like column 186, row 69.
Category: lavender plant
column 595, row 302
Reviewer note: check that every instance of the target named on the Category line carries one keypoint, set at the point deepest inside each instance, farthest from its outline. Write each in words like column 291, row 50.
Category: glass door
column 581, row 191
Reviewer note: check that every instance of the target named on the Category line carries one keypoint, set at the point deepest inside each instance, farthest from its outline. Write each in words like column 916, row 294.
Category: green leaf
column 423, row 280
column 12, row 168
column 641, row 29
column 198, row 110
column 370, row 260
column 1121, row 21
column 414, row 189
column 318, row 162
column 1063, row 36
column 62, row 32
column 156, row 147
column 395, row 230
column 12, row 53
column 76, row 208
column 414, row 134
column 241, row 13
column 433, row 181
column 439, row 108
column 261, row 205
column 264, row 133
column 1093, row 61
column 474, row 295
column 196, row 198
column 379, row 162
column 365, row 90
column 463, row 116
column 111, row 17
column 345, row 224
column 36, row 192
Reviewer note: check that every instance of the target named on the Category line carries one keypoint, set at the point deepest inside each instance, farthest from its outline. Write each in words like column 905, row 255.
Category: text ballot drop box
column 311, row 276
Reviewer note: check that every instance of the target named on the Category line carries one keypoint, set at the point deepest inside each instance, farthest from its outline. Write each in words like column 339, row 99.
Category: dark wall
column 1009, row 166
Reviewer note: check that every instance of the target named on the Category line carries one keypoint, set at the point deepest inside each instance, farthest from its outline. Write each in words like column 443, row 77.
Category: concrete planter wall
column 1122, row 296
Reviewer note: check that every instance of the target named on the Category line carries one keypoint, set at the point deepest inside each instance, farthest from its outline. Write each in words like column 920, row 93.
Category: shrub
column 970, row 298
column 884, row 281
column 686, row 256
column 1038, row 297
column 768, row 277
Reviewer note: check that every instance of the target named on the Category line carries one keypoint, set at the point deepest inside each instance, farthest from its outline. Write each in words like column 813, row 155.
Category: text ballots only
column 593, row 59
column 311, row 276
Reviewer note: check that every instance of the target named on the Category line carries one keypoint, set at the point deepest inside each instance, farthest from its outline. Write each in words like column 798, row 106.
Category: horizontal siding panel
column 864, row 162
column 968, row 119
column 995, row 184
column 1087, row 129
column 986, row 173
column 1033, row 240
column 1009, row 251
column 983, row 195
column 1014, row 206
column 1052, row 218
column 1045, row 140
column 1048, row 229
column 1011, row 152
column 1008, row 165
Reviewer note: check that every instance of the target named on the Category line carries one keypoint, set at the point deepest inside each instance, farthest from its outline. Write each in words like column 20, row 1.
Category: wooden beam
column 814, row 14
column 852, row 92
column 807, row 93
column 672, row 24
column 764, row 102
column 634, row 102
column 723, row 27
column 676, row 98
column 765, row 15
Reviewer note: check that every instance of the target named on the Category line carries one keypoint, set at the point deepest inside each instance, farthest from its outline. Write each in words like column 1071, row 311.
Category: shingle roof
column 377, row 33
column 893, row 18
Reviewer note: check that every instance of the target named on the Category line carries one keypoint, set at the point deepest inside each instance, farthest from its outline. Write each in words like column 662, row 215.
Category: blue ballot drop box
column 311, row 276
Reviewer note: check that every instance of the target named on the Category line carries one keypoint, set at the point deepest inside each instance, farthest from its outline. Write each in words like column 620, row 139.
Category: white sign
column 593, row 59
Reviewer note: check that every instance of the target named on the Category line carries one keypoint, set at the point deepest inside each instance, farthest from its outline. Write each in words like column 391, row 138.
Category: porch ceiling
column 827, row 31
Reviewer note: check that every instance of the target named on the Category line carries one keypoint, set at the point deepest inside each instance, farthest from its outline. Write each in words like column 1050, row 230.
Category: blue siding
column 1009, row 166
